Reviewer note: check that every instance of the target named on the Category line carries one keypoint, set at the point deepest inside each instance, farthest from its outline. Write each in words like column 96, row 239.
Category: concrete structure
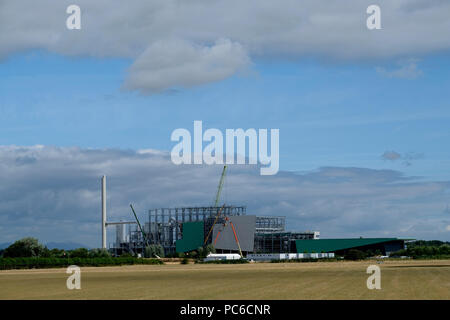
column 121, row 233
column 104, row 212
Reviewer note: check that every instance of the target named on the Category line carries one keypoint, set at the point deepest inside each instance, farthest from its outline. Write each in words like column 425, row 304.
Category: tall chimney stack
column 104, row 212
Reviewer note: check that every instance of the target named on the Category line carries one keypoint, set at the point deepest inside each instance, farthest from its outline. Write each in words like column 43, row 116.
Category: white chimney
column 104, row 212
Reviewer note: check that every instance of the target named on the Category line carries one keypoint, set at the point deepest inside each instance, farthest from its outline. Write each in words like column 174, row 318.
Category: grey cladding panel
column 245, row 231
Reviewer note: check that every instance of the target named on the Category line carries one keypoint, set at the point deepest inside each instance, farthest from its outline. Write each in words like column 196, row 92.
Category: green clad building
column 193, row 236
column 341, row 246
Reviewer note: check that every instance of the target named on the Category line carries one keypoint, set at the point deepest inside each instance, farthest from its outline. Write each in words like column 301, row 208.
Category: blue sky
column 341, row 114
column 363, row 114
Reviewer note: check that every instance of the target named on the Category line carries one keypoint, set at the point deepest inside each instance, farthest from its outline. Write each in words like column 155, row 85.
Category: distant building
column 187, row 228
column 341, row 246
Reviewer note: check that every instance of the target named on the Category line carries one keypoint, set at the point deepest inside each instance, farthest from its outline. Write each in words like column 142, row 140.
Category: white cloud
column 407, row 70
column 54, row 194
column 391, row 155
column 407, row 158
column 177, row 63
column 335, row 30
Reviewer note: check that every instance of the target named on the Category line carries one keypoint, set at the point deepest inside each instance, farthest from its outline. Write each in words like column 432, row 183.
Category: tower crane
column 216, row 202
column 219, row 188
column 227, row 220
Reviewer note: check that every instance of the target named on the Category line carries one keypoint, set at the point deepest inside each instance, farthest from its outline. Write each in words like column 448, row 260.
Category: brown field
column 320, row 280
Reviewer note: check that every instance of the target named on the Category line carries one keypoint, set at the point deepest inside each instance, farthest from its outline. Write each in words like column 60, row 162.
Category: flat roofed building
column 340, row 246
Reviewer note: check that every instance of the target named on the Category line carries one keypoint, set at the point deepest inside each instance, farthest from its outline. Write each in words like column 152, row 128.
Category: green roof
column 330, row 245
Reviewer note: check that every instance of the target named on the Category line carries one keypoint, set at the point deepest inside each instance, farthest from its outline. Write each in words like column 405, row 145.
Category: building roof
column 330, row 245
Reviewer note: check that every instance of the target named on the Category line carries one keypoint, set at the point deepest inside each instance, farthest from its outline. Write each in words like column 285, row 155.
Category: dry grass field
column 320, row 280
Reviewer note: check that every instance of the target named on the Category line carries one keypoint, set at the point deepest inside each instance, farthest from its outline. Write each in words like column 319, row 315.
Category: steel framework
column 164, row 226
column 279, row 242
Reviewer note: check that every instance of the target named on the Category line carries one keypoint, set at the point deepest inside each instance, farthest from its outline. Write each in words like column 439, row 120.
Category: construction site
column 229, row 229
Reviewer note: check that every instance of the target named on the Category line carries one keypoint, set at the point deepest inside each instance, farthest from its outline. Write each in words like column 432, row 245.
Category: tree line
column 30, row 253
column 32, row 248
column 425, row 249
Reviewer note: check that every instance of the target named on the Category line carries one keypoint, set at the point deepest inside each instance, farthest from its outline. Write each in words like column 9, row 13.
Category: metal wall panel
column 192, row 237
column 245, row 230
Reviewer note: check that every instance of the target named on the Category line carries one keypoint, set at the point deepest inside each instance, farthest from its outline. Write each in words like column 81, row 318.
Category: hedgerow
column 40, row 262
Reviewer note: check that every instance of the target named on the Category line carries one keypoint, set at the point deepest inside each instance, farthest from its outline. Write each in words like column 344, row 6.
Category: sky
column 363, row 114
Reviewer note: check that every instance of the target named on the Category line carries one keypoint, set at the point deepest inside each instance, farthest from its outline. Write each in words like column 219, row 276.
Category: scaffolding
column 279, row 242
column 270, row 224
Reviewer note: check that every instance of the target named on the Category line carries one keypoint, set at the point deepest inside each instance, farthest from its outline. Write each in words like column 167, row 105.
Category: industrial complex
column 231, row 230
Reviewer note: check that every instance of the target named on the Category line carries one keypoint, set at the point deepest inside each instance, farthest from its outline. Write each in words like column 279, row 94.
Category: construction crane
column 216, row 202
column 139, row 225
column 219, row 188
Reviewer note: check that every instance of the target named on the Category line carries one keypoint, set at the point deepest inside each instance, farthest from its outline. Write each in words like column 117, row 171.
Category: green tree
column 126, row 255
column 99, row 253
column 58, row 253
column 149, row 251
column 45, row 253
column 201, row 252
column 79, row 253
column 210, row 249
column 154, row 250
column 26, row 247
column 160, row 251
column 444, row 249
column 399, row 253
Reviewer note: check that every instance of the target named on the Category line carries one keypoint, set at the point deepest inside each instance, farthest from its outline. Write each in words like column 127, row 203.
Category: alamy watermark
column 74, row 280
column 214, row 152
column 374, row 281
column 73, row 22
column 373, row 22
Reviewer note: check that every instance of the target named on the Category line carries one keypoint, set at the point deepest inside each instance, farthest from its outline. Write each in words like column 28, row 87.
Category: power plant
column 229, row 229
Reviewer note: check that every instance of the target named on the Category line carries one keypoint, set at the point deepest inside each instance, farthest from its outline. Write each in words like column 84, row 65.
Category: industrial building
column 230, row 230
column 185, row 229
column 341, row 246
